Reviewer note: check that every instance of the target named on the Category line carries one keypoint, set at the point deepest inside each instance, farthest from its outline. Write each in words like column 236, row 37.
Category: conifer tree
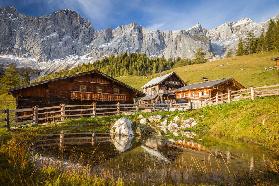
column 240, row 48
column 251, row 43
column 10, row 79
column 199, row 57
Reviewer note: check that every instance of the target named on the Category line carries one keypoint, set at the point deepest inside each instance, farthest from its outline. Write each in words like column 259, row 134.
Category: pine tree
column 199, row 57
column 270, row 36
column 229, row 53
column 251, row 43
column 10, row 79
column 240, row 48
column 260, row 43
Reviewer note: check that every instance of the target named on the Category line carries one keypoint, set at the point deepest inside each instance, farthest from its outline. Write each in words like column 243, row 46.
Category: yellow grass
column 248, row 70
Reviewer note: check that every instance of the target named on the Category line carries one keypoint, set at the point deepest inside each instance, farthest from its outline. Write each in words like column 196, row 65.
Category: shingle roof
column 78, row 75
column 157, row 80
column 206, row 84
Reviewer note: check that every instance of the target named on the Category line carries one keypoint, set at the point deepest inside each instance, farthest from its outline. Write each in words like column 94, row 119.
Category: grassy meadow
column 249, row 70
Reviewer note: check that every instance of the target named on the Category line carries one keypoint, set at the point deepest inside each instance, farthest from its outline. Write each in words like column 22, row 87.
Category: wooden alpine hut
column 207, row 89
column 82, row 88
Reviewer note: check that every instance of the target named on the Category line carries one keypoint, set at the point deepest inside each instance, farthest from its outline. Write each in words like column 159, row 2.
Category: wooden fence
column 63, row 138
column 30, row 116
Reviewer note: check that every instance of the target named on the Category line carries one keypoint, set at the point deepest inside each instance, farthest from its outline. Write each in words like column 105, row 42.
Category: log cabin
column 160, row 89
column 207, row 89
column 83, row 88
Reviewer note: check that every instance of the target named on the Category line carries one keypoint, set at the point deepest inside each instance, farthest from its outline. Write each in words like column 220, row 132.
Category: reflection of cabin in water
column 160, row 89
column 207, row 89
column 83, row 88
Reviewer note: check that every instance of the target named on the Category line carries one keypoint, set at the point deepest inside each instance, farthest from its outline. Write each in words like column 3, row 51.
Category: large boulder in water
column 122, row 126
column 122, row 143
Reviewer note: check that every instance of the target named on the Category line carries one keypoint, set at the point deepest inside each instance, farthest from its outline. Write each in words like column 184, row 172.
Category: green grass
column 244, row 121
column 249, row 70
column 251, row 121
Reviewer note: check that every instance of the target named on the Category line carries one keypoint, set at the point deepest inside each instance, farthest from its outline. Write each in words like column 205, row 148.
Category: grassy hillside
column 250, row 70
column 248, row 121
column 252, row 121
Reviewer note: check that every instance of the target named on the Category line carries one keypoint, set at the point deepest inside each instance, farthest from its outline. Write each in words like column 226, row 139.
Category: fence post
column 229, row 96
column 62, row 110
column 252, row 93
column 217, row 98
column 35, row 115
column 118, row 108
column 94, row 108
column 7, row 111
column 191, row 105
column 93, row 139
column 170, row 105
column 137, row 107
column 61, row 140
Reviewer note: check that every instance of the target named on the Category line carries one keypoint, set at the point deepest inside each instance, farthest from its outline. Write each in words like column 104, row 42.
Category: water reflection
column 155, row 161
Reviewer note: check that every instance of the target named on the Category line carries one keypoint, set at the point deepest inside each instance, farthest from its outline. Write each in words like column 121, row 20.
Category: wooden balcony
column 92, row 96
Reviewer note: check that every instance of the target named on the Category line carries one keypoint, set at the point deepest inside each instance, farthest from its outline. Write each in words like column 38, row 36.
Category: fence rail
column 20, row 117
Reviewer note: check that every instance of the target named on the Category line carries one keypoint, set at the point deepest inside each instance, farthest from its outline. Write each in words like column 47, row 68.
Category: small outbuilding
column 83, row 88
column 207, row 89
column 160, row 89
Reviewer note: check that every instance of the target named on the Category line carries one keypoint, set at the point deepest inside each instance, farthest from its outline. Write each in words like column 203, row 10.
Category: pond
column 155, row 160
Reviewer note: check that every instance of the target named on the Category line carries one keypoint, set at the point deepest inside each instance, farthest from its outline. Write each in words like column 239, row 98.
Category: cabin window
column 116, row 90
column 82, row 88
column 99, row 89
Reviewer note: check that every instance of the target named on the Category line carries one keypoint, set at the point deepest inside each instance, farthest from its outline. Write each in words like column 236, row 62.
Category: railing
column 64, row 138
column 29, row 116
column 77, row 95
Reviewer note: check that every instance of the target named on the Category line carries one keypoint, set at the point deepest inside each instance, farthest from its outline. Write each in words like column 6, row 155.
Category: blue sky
column 154, row 14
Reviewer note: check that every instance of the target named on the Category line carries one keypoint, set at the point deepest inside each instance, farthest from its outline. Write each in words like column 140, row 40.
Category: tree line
column 11, row 77
column 267, row 41
column 129, row 64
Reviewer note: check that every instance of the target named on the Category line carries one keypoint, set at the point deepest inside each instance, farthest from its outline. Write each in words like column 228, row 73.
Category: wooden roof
column 78, row 75
column 208, row 84
column 160, row 79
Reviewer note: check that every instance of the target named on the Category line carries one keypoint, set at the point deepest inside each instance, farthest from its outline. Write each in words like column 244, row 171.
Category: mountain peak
column 244, row 21
column 197, row 26
column 8, row 9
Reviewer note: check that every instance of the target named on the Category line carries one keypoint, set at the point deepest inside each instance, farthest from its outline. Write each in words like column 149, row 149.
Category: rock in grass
column 191, row 122
column 122, row 126
column 143, row 121
column 155, row 118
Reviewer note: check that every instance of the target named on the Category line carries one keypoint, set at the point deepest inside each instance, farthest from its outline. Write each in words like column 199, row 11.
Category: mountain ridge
column 64, row 39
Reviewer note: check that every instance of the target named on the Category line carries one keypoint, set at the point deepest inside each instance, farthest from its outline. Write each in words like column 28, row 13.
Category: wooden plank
column 50, row 112
column 106, row 108
column 79, row 110
column 49, row 108
column 76, row 115
column 78, row 106
column 25, row 116
column 24, row 110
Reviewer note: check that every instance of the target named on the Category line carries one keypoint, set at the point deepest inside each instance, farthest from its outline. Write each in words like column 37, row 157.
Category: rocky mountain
column 64, row 39
column 226, row 36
